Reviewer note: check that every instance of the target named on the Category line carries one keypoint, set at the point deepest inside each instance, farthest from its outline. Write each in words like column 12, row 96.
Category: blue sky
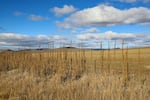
column 23, row 22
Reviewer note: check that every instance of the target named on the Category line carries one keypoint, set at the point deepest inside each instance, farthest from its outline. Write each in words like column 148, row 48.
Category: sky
column 81, row 23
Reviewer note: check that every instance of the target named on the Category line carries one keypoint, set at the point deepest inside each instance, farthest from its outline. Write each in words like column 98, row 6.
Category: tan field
column 75, row 74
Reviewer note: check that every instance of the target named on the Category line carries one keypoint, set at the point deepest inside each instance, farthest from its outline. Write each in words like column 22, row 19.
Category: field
column 75, row 74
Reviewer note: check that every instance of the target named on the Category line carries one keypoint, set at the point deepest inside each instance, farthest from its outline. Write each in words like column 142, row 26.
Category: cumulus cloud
column 87, row 36
column 85, row 40
column 12, row 40
column 66, row 9
column 64, row 25
column 37, row 18
column 109, row 35
column 104, row 15
column 132, row 39
column 5, row 36
column 90, row 30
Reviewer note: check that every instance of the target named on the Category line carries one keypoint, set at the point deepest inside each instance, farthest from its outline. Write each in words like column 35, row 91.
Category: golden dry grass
column 75, row 74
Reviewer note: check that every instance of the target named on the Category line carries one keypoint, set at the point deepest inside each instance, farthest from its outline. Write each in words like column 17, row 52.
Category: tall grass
column 75, row 74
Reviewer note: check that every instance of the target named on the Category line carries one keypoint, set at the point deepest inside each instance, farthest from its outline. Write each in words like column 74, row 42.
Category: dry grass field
column 75, row 74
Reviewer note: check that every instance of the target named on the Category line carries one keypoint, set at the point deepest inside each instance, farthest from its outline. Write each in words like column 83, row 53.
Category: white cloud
column 13, row 40
column 43, row 37
column 88, row 36
column 109, row 35
column 64, row 25
column 19, row 40
column 58, row 37
column 66, row 9
column 132, row 39
column 104, row 15
column 37, row 18
column 12, row 36
column 91, row 30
